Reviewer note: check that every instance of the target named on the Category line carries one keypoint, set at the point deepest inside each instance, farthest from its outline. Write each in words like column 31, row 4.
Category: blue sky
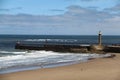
column 51, row 7
column 60, row 17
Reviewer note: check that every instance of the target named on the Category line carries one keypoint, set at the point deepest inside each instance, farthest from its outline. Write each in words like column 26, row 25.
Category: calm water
column 12, row 60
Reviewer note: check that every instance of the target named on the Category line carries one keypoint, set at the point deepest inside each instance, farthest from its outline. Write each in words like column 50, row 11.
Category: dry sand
column 96, row 69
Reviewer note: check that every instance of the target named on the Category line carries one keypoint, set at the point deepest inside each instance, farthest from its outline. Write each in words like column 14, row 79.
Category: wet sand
column 95, row 69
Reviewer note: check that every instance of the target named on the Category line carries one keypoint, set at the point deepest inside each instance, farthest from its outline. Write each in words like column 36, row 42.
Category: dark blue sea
column 12, row 60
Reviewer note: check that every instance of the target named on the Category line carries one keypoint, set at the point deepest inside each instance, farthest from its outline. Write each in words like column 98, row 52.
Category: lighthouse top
column 100, row 32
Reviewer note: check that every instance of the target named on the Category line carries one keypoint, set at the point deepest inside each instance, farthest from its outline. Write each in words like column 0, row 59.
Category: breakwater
column 70, row 48
column 54, row 47
column 97, row 48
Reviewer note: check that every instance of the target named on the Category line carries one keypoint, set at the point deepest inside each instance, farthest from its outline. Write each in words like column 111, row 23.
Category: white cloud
column 115, row 19
column 76, row 20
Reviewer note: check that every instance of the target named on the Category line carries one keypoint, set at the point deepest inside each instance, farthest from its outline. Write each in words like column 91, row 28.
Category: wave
column 13, row 52
column 38, row 58
column 56, row 40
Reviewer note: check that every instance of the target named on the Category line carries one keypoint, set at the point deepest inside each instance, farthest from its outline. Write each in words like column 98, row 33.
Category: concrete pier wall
column 59, row 48
column 72, row 48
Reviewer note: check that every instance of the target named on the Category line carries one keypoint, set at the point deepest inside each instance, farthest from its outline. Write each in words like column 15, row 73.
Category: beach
column 95, row 69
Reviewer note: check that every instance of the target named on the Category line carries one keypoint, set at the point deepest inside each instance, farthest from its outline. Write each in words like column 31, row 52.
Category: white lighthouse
column 99, row 46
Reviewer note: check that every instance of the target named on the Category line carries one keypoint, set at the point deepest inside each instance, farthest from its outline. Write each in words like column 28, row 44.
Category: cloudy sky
column 60, row 17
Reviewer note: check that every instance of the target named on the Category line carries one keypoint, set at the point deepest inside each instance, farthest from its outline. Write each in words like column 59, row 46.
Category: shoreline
column 94, row 69
column 15, row 70
column 50, row 65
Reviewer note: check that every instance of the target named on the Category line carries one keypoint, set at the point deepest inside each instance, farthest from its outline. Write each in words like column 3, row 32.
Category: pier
column 87, row 48
column 55, row 47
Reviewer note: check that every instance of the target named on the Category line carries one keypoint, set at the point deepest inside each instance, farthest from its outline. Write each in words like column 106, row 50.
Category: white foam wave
column 56, row 40
column 41, row 57
column 35, row 40
column 13, row 52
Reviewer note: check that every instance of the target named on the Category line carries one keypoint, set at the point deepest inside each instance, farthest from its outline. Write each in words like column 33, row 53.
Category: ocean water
column 12, row 60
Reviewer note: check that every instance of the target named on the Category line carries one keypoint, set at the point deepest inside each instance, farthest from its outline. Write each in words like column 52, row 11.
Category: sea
column 14, row 60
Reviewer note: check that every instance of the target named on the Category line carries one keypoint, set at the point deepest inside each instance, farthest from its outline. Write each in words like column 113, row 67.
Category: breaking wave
column 27, row 59
column 54, row 40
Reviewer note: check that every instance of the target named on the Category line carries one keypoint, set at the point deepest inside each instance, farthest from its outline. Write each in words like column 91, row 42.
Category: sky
column 60, row 17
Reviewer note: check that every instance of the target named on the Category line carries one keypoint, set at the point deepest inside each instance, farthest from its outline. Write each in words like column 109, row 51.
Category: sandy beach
column 96, row 69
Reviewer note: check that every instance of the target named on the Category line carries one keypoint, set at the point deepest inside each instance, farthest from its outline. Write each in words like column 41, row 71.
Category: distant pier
column 97, row 48
column 55, row 47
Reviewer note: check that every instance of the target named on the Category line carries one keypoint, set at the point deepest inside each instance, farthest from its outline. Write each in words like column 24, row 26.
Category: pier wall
column 72, row 48
column 58, row 48
column 112, row 49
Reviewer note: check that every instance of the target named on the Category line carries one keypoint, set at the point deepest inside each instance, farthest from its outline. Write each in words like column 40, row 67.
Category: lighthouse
column 99, row 38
